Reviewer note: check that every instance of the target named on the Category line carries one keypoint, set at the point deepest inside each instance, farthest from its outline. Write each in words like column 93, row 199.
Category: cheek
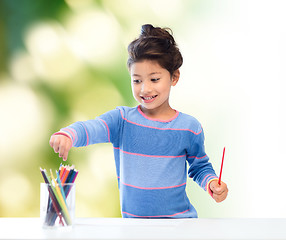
column 135, row 90
column 165, row 89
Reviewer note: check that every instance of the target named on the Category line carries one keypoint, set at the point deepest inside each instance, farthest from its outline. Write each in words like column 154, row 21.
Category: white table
column 118, row 228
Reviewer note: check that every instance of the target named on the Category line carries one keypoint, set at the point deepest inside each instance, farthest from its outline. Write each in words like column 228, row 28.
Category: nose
column 146, row 87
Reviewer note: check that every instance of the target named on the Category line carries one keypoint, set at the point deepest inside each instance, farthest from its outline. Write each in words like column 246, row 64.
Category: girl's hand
column 219, row 192
column 61, row 144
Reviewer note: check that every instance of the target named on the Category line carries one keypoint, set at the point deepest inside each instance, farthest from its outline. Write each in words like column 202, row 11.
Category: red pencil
column 219, row 180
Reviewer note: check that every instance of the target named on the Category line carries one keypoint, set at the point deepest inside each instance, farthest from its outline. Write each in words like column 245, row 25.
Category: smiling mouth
column 148, row 99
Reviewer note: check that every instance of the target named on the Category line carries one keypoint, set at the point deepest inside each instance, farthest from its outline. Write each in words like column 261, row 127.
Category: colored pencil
column 61, row 170
column 60, row 200
column 66, row 173
column 53, row 200
column 61, row 186
column 219, row 180
column 71, row 180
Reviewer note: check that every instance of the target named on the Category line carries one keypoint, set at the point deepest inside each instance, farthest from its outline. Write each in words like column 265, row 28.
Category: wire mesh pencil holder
column 57, row 205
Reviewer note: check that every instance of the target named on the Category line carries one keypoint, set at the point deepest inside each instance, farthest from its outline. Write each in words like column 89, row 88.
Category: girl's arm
column 99, row 130
column 200, row 169
column 202, row 172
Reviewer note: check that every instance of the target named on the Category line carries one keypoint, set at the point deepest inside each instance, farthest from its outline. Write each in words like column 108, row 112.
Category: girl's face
column 151, row 85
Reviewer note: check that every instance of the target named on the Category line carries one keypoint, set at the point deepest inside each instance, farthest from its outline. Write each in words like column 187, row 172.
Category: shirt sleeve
column 200, row 169
column 99, row 130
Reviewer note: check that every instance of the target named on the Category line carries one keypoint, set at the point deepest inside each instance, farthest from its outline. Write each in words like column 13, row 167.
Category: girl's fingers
column 56, row 146
column 64, row 149
column 220, row 197
column 218, row 189
column 56, row 149
column 61, row 145
column 54, row 143
column 61, row 151
column 65, row 157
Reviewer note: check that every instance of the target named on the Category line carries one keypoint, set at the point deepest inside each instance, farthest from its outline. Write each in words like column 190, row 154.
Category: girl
column 152, row 142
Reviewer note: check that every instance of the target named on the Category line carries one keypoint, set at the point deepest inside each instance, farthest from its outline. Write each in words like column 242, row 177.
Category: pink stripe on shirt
column 157, row 120
column 72, row 133
column 87, row 137
column 153, row 188
column 206, row 179
column 106, row 128
column 197, row 157
column 172, row 215
column 145, row 155
column 176, row 129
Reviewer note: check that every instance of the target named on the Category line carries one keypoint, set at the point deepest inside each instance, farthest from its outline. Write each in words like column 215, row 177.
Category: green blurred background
column 65, row 61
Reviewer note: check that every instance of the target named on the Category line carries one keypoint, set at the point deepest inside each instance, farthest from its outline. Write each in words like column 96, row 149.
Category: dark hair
column 155, row 43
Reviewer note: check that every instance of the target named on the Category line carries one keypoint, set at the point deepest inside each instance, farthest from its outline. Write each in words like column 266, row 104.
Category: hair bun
column 148, row 31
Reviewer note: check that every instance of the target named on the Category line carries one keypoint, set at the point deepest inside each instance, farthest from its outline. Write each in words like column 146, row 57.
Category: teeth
column 148, row 98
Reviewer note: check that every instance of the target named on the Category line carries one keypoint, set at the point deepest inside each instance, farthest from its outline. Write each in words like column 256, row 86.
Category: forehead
column 146, row 67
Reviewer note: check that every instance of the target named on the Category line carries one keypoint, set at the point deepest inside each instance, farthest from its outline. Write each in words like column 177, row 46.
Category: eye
column 155, row 79
column 136, row 81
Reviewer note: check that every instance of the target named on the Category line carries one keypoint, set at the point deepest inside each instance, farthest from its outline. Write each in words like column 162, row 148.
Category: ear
column 175, row 77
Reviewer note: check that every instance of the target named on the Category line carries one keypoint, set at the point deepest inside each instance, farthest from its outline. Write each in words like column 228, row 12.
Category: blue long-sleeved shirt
column 151, row 159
